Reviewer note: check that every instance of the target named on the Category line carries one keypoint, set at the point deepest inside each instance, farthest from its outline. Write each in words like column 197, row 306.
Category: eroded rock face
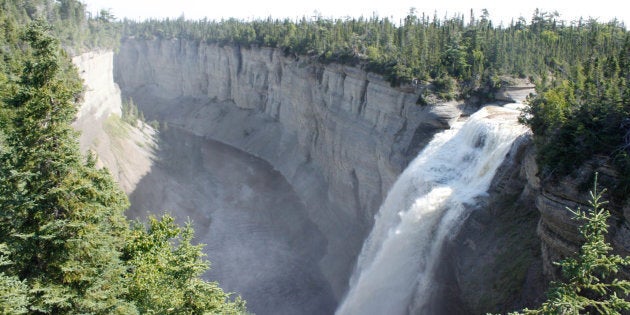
column 558, row 230
column 102, row 95
column 515, row 90
column 493, row 262
column 127, row 151
column 339, row 135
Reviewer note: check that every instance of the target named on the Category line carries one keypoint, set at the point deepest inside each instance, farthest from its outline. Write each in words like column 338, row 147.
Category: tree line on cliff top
column 65, row 245
column 581, row 68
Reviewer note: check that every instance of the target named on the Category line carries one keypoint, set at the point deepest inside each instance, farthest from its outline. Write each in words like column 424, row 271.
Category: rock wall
column 559, row 232
column 338, row 134
column 493, row 263
column 124, row 149
column 102, row 95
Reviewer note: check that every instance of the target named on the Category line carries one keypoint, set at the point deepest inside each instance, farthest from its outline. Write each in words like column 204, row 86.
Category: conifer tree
column 62, row 220
column 590, row 284
column 65, row 245
column 13, row 292
column 166, row 270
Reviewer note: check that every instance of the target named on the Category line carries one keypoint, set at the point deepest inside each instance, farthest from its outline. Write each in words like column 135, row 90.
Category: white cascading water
column 424, row 206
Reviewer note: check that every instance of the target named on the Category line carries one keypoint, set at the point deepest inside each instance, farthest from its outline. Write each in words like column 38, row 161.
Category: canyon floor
column 260, row 240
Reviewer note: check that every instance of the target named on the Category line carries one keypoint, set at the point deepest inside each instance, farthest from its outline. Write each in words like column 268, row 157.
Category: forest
column 580, row 68
column 65, row 244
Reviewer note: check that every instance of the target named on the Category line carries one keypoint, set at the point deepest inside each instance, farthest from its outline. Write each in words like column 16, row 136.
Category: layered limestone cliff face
column 256, row 230
column 127, row 151
column 558, row 230
column 339, row 135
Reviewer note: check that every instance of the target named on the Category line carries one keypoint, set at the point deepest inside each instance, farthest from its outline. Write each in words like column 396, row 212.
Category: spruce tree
column 590, row 284
column 13, row 292
column 166, row 272
column 61, row 219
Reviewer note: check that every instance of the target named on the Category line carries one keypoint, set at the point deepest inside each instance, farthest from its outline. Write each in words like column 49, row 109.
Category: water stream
column 426, row 204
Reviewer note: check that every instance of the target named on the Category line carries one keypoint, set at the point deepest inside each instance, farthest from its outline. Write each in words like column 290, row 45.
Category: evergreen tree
column 166, row 270
column 590, row 284
column 61, row 219
column 13, row 292
column 66, row 246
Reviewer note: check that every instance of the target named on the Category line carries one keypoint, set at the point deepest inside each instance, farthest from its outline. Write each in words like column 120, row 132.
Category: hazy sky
column 569, row 10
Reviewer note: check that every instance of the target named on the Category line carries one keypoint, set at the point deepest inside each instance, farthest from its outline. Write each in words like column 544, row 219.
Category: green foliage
column 419, row 46
column 445, row 87
column 65, row 245
column 61, row 219
column 130, row 113
column 71, row 25
column 584, row 113
column 13, row 292
column 166, row 269
column 590, row 284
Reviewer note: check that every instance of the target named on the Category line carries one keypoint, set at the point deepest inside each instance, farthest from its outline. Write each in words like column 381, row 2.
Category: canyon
column 282, row 163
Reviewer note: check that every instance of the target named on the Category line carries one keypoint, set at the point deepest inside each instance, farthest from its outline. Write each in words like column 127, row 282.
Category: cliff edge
column 338, row 134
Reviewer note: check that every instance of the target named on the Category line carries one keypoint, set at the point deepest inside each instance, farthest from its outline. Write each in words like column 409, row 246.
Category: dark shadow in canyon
column 257, row 232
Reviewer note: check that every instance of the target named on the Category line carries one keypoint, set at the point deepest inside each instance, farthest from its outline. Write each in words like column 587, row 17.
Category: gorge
column 325, row 143
column 310, row 165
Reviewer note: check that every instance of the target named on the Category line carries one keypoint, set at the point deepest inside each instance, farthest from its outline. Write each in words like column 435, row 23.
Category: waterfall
column 425, row 205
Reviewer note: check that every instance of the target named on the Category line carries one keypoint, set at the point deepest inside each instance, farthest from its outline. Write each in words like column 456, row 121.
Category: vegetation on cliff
column 65, row 244
column 590, row 283
column 581, row 69
column 76, row 30
column 427, row 48
column 584, row 115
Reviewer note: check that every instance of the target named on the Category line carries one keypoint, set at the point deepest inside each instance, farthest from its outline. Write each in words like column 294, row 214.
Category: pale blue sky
column 604, row 10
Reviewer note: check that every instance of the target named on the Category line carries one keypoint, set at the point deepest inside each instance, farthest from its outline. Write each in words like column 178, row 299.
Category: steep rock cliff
column 341, row 136
column 338, row 134
column 558, row 230
column 126, row 150
column 102, row 95
column 493, row 263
